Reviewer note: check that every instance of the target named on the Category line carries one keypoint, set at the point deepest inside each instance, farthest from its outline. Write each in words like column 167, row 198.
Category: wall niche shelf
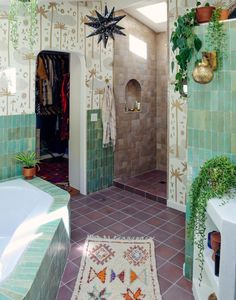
column 222, row 218
column 133, row 95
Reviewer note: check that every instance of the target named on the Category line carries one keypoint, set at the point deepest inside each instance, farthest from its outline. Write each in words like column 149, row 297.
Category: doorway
column 52, row 87
column 64, row 154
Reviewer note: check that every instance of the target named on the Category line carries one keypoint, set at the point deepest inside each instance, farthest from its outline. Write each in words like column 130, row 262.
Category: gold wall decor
column 203, row 73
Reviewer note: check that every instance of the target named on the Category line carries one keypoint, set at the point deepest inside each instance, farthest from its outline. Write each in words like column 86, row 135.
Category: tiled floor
column 117, row 212
column 54, row 170
column 151, row 185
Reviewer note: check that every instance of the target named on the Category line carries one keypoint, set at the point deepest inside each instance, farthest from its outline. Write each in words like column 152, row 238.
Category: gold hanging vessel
column 203, row 73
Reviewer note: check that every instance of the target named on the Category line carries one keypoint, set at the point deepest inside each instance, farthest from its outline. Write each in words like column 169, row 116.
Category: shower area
column 140, row 88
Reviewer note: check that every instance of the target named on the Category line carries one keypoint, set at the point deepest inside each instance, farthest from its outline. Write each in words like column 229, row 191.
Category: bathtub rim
column 16, row 286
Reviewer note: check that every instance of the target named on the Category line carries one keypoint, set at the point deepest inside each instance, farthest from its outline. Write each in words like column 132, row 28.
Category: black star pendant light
column 105, row 26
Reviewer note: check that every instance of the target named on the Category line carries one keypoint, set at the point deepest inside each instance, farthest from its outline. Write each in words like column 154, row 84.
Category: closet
column 52, row 110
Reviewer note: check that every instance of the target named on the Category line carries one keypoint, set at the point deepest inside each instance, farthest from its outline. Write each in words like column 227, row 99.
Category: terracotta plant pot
column 29, row 173
column 215, row 243
column 224, row 15
column 203, row 14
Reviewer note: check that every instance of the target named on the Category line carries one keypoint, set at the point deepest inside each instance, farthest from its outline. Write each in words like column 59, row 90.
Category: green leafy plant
column 18, row 9
column 185, row 44
column 216, row 178
column 27, row 159
column 216, row 37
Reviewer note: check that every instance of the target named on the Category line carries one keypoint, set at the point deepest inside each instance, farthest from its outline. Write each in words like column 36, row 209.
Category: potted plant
column 186, row 44
column 29, row 162
column 216, row 36
column 204, row 13
column 224, row 10
column 216, row 178
column 29, row 10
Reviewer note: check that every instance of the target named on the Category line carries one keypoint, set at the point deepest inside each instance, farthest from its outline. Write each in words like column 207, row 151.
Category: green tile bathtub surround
column 100, row 161
column 17, row 133
column 211, row 120
column 38, row 273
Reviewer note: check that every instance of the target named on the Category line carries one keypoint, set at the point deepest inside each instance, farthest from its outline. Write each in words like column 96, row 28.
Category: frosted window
column 137, row 46
column 157, row 13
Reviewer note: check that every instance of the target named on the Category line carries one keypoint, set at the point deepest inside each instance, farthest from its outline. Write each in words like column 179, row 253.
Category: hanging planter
column 19, row 9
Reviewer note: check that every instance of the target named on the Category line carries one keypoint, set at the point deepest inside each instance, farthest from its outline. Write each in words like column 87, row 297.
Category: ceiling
column 133, row 11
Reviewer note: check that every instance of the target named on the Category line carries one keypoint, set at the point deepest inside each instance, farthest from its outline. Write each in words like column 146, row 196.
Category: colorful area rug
column 117, row 269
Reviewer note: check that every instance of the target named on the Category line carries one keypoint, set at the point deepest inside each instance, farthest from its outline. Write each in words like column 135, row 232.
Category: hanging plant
column 216, row 178
column 29, row 10
column 186, row 44
column 216, row 37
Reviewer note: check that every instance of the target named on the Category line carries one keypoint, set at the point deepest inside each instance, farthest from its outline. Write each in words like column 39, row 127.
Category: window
column 157, row 13
column 8, row 81
column 137, row 46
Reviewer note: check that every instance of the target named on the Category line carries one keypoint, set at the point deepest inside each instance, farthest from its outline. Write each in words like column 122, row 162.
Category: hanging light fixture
column 105, row 26
column 29, row 10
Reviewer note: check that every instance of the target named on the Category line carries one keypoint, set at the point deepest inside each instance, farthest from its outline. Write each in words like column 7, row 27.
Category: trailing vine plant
column 185, row 44
column 29, row 9
column 216, row 37
column 216, row 179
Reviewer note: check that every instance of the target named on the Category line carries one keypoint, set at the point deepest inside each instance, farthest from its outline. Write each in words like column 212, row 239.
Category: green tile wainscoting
column 38, row 273
column 100, row 161
column 211, row 119
column 17, row 133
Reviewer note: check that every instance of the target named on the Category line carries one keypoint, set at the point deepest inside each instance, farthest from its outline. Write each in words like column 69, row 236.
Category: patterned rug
column 117, row 269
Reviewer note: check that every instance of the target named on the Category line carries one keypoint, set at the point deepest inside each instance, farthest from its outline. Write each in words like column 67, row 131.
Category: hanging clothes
column 51, row 69
column 109, row 118
column 52, row 100
column 65, row 96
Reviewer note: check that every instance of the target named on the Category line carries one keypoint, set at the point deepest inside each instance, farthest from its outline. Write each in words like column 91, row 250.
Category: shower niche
column 133, row 94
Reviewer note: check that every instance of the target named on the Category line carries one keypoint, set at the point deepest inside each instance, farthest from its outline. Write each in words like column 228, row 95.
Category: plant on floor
column 185, row 44
column 29, row 162
column 216, row 178
column 18, row 10
column 216, row 37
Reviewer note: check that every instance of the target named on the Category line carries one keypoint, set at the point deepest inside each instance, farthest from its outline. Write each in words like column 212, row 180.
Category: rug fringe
column 119, row 237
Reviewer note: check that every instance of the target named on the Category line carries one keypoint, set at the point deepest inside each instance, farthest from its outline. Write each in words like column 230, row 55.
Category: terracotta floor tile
column 185, row 284
column 145, row 228
column 131, row 222
column 171, row 228
column 78, row 234
column 164, row 284
column 118, row 228
column 106, row 221
column 175, row 292
column 70, row 272
column 170, row 272
column 165, row 252
column 92, row 228
column 178, row 259
column 64, row 293
column 95, row 215
column 175, row 242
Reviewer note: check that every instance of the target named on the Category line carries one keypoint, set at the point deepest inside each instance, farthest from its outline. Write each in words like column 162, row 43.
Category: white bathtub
column 21, row 207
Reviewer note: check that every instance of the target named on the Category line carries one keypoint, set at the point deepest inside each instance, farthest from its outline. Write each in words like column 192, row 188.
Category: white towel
column 109, row 118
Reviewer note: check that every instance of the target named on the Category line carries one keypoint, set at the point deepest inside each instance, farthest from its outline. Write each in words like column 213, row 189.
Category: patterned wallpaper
column 60, row 26
column 177, row 121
